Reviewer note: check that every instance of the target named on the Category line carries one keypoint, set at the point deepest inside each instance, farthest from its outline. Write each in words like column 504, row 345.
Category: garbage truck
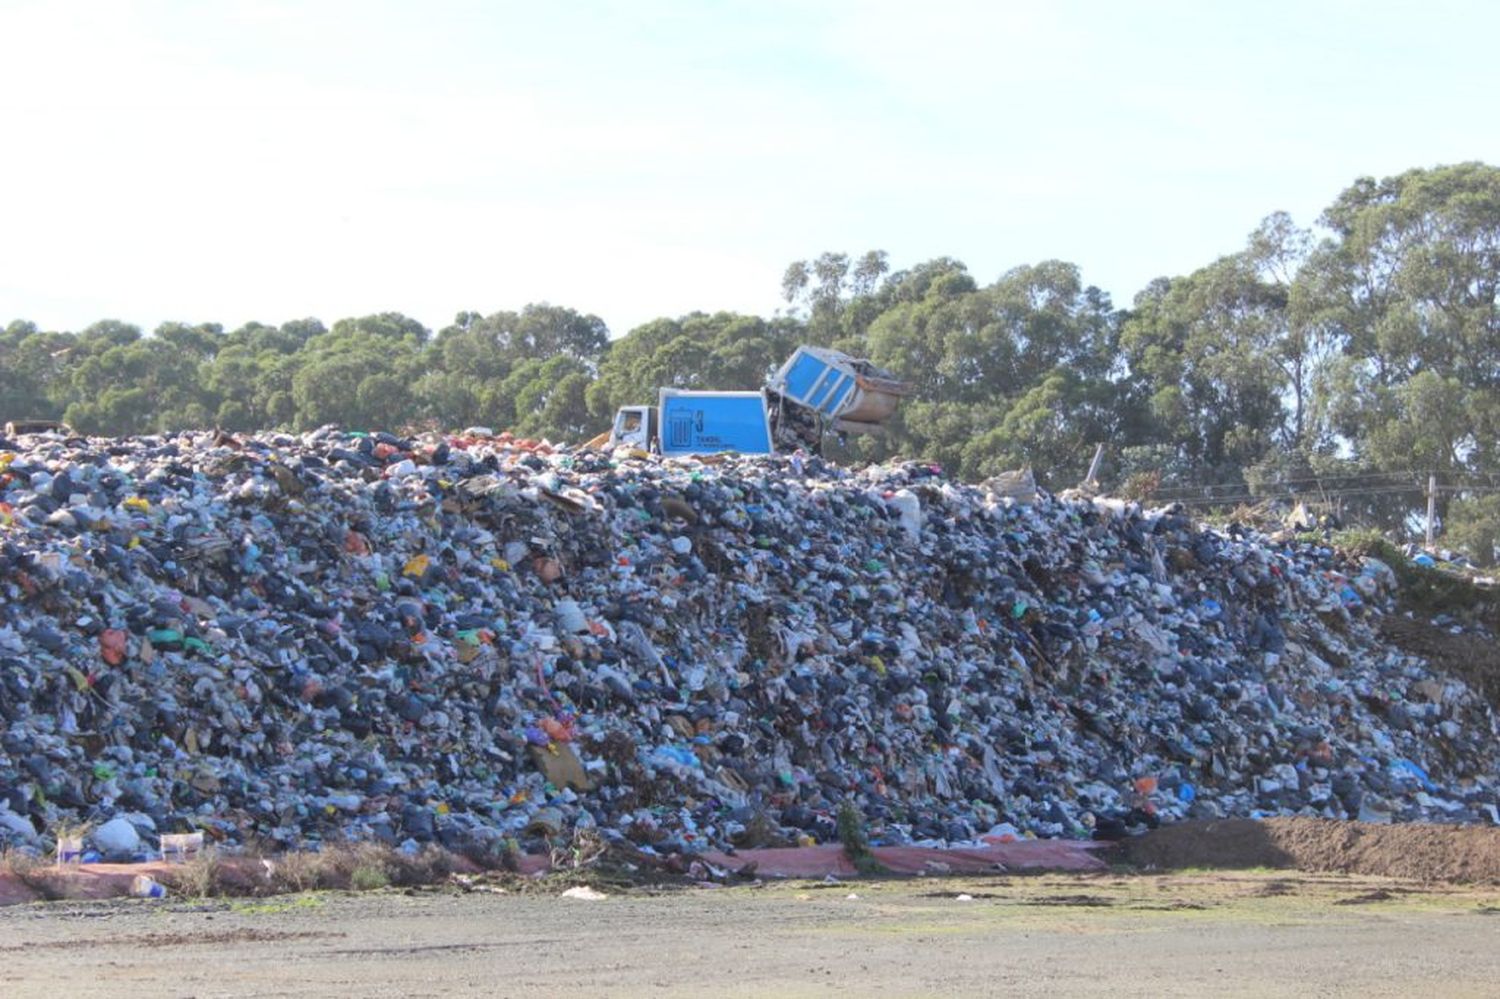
column 817, row 391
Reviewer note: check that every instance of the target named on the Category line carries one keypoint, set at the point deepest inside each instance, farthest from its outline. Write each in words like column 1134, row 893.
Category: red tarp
column 80, row 880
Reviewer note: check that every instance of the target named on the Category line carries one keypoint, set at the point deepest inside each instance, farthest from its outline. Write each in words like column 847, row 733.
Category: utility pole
column 1431, row 506
column 1093, row 476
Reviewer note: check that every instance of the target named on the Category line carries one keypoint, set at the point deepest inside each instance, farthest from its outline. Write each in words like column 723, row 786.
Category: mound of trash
column 481, row 642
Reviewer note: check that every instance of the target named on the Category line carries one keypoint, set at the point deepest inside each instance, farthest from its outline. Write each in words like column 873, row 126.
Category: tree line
column 1345, row 362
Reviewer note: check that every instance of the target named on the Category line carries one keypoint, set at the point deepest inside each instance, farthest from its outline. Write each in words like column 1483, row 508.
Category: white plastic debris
column 584, row 892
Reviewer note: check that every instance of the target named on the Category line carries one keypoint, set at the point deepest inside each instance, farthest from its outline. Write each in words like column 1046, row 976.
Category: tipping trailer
column 849, row 395
column 817, row 391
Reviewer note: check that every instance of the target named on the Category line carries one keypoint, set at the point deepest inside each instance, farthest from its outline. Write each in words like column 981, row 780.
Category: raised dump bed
column 854, row 395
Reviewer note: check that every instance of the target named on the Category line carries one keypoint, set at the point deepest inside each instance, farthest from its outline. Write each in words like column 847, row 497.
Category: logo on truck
column 681, row 427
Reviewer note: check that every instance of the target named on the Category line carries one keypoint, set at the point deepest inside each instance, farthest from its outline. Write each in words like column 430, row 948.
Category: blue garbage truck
column 816, row 392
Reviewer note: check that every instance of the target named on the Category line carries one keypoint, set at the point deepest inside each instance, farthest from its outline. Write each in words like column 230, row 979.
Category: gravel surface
column 1235, row 933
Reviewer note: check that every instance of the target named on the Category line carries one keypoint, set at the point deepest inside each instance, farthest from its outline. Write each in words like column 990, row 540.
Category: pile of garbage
column 467, row 639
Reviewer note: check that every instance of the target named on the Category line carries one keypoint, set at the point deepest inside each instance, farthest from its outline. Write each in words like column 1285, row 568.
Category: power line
column 1313, row 479
column 1330, row 494
column 1288, row 497
column 1488, row 478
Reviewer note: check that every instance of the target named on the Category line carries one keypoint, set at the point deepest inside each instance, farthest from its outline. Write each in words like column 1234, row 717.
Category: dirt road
column 1240, row 933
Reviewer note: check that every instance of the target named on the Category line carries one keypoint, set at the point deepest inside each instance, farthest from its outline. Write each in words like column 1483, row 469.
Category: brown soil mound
column 1473, row 659
column 1421, row 852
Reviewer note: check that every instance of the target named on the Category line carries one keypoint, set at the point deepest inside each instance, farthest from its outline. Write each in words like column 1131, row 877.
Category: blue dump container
column 706, row 422
column 838, row 386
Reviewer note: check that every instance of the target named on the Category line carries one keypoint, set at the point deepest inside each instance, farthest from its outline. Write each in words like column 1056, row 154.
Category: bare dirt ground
column 1469, row 854
column 1475, row 659
column 1188, row 933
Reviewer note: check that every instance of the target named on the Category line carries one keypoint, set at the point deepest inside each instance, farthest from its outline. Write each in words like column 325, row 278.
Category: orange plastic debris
column 112, row 646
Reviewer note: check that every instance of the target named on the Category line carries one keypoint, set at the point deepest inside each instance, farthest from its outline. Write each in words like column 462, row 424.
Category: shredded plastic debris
column 289, row 639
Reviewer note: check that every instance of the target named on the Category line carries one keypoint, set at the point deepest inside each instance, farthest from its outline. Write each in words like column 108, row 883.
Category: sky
column 227, row 161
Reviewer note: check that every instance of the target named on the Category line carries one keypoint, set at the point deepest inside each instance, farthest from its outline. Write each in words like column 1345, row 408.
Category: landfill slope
column 287, row 639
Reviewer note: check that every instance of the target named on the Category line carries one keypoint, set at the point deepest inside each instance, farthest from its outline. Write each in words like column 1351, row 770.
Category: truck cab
column 635, row 426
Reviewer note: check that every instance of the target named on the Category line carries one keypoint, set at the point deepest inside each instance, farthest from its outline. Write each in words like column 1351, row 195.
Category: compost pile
column 288, row 639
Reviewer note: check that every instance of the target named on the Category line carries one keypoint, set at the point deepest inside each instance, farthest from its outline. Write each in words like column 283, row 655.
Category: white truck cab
column 633, row 427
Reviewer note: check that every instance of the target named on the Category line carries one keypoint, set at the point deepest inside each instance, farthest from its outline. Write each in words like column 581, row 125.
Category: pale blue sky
column 233, row 161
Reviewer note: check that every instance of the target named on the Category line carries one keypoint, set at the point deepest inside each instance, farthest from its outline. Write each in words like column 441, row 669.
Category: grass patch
column 202, row 877
column 369, row 877
column 340, row 867
column 277, row 908
column 361, row 866
column 1426, row 590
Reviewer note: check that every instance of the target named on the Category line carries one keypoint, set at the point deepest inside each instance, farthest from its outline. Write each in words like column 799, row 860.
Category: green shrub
column 369, row 877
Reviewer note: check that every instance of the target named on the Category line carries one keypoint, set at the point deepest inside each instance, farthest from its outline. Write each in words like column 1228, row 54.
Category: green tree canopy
column 1364, row 350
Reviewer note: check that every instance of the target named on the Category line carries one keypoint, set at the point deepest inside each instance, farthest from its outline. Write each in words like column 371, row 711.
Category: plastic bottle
column 145, row 886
